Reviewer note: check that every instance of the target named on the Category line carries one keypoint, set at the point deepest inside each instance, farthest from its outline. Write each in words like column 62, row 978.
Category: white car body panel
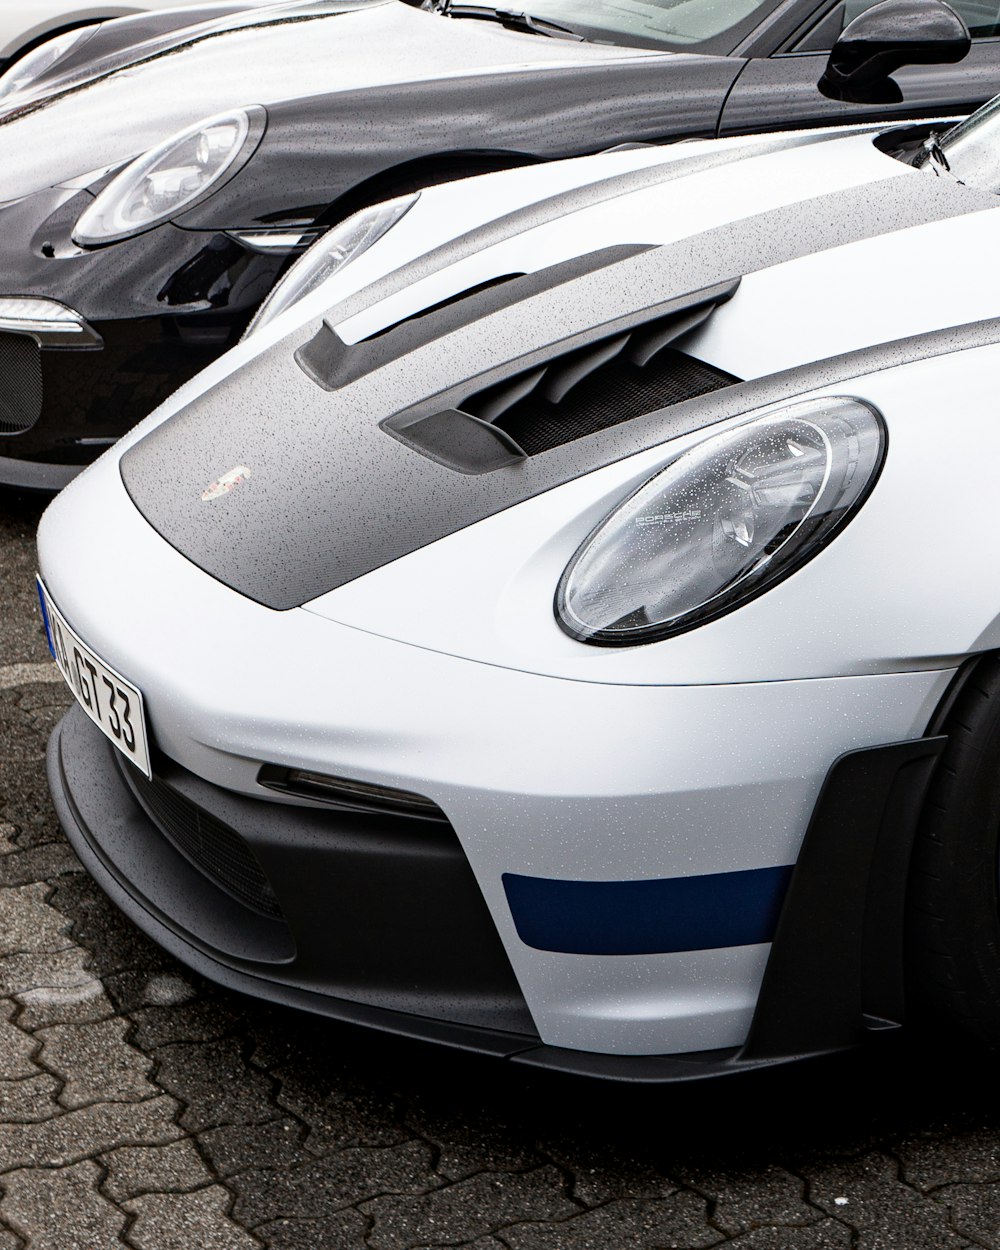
column 445, row 672
column 650, row 755
column 839, row 615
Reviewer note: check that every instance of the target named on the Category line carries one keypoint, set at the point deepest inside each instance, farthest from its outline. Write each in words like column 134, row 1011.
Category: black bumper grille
column 208, row 844
column 20, row 383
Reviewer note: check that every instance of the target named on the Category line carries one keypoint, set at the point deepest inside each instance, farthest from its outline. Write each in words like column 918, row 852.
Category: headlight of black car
column 172, row 177
column 722, row 523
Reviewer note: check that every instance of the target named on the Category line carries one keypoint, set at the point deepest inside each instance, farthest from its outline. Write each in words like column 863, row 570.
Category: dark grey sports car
column 153, row 191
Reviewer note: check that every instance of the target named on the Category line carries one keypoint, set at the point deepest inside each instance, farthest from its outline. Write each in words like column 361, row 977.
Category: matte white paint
column 446, row 673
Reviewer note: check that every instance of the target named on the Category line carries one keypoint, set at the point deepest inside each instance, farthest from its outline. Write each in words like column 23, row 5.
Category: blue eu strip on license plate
column 45, row 617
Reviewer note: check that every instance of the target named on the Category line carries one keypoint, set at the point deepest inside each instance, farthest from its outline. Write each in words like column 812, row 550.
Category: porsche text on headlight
column 336, row 249
column 170, row 177
column 722, row 522
column 31, row 67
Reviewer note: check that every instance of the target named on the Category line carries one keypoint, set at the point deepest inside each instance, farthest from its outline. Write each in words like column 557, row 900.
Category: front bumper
column 378, row 921
column 68, row 405
column 580, row 783
column 160, row 307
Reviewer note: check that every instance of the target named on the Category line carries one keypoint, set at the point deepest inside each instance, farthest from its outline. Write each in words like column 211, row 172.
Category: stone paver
column 95, row 1063
column 180, row 1221
column 679, row 1221
column 467, row 1209
column 134, row 1170
column 61, row 1209
column 142, row 1108
column 16, row 1046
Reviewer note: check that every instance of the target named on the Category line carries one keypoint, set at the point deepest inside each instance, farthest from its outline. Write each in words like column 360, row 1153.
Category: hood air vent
column 591, row 388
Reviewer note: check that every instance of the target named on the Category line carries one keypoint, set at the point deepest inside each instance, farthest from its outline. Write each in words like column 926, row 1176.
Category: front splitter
column 100, row 803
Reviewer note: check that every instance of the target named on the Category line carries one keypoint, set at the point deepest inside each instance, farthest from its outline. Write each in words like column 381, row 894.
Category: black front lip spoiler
column 35, row 476
column 834, row 974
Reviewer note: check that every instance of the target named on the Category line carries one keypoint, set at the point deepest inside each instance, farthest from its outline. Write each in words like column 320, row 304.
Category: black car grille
column 208, row 844
column 20, row 383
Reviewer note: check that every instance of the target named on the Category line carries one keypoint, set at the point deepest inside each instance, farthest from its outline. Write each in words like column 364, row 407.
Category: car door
column 777, row 86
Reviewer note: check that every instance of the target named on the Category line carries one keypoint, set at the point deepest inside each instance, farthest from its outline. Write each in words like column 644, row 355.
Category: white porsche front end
column 389, row 778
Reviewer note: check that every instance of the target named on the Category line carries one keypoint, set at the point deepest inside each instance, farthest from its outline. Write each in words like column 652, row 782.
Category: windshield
column 969, row 151
column 676, row 25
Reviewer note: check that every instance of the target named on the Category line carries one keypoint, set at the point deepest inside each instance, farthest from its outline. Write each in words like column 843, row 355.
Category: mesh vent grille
column 210, row 845
column 615, row 393
column 20, row 383
column 599, row 386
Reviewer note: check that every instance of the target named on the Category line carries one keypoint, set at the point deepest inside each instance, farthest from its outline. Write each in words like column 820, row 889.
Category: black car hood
column 308, row 52
column 318, row 462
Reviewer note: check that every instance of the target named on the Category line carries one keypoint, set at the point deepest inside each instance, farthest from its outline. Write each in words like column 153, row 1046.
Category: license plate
column 112, row 703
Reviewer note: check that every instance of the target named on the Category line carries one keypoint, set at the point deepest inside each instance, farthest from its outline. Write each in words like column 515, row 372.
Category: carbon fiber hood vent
column 601, row 380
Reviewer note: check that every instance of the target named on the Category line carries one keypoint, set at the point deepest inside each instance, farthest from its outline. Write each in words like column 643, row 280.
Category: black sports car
column 152, row 192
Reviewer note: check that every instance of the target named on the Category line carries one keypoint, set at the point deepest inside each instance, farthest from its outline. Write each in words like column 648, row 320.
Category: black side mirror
column 886, row 37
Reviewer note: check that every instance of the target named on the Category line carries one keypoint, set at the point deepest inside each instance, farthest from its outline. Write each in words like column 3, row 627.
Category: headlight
column 721, row 523
column 24, row 72
column 337, row 248
column 170, row 177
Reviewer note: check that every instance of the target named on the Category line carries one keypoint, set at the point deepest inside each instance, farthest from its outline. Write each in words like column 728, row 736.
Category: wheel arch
column 423, row 171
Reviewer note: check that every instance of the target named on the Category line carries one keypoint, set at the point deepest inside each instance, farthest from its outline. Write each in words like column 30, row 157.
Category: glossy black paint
column 883, row 39
column 326, row 153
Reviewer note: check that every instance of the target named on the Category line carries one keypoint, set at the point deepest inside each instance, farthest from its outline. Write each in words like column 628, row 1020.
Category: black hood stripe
column 331, row 496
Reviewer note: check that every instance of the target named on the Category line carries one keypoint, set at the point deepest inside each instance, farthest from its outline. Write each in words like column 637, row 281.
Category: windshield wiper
column 509, row 18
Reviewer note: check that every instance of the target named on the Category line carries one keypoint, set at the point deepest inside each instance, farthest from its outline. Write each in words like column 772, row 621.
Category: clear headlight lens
column 721, row 523
column 337, row 248
column 24, row 72
column 168, row 178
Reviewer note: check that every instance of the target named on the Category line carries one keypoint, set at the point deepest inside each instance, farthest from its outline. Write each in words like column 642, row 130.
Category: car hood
column 340, row 448
column 269, row 56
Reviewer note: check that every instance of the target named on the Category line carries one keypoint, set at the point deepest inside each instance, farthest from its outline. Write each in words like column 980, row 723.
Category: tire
column 954, row 888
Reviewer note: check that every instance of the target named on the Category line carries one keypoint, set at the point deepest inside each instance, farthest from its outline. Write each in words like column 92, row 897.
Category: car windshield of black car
column 670, row 24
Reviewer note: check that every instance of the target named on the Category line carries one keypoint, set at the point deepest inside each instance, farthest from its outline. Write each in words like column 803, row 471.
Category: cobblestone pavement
column 142, row 1107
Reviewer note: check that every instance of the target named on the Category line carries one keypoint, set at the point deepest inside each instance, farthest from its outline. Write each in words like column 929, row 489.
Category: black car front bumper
column 379, row 921
column 158, row 308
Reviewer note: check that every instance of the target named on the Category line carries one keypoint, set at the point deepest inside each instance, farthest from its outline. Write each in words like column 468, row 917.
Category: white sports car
column 567, row 626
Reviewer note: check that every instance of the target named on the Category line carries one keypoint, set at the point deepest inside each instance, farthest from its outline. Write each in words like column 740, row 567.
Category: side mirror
column 886, row 37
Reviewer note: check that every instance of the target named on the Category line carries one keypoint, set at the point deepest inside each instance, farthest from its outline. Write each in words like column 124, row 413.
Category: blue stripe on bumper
column 647, row 917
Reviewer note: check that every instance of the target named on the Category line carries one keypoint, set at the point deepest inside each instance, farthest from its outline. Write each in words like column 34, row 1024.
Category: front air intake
column 20, row 383
column 212, row 847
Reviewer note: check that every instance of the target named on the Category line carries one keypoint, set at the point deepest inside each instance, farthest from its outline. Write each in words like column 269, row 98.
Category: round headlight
column 721, row 523
column 34, row 64
column 337, row 248
column 171, row 177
